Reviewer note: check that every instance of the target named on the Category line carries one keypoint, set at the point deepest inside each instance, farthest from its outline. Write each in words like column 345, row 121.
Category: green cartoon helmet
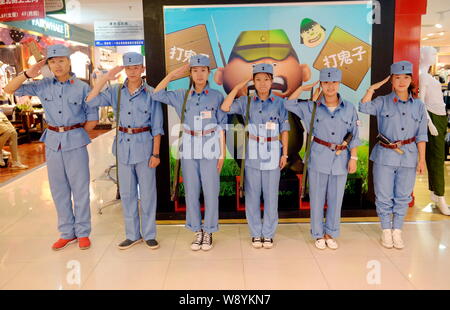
column 257, row 44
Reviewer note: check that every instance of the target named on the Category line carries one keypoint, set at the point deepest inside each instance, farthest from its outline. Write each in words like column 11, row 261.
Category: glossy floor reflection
column 28, row 228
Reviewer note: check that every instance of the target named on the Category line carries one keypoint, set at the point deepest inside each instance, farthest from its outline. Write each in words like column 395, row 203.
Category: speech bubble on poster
column 182, row 44
column 347, row 53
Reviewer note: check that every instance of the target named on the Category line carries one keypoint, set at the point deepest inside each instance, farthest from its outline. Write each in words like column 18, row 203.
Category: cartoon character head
column 311, row 33
column 270, row 47
column 264, row 46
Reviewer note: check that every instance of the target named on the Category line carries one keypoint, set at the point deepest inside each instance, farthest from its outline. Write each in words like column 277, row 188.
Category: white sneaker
column 321, row 244
column 257, row 243
column 2, row 162
column 442, row 205
column 386, row 238
column 6, row 153
column 197, row 243
column 397, row 238
column 18, row 165
column 207, row 241
column 332, row 244
column 268, row 243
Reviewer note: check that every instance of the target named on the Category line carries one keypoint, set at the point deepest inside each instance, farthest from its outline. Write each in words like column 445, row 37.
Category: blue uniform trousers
column 68, row 175
column 268, row 181
column 393, row 187
column 330, row 188
column 138, row 181
column 198, row 174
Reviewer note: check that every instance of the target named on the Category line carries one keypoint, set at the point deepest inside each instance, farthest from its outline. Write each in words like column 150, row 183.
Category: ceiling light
column 438, row 26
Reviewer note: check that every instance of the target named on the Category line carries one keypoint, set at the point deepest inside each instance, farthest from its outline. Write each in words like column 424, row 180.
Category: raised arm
column 226, row 105
column 16, row 82
column 368, row 96
column 301, row 89
column 112, row 74
column 172, row 75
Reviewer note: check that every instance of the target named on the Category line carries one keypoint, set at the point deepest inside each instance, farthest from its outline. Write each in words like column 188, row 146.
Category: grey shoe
column 197, row 243
column 126, row 244
column 152, row 244
column 207, row 242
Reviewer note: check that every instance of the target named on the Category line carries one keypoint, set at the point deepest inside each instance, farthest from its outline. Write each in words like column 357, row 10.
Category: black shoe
column 152, row 244
column 126, row 244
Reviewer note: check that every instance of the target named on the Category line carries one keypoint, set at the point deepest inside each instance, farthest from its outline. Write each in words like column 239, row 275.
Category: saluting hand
column 308, row 86
column 179, row 72
column 379, row 84
column 35, row 69
column 113, row 74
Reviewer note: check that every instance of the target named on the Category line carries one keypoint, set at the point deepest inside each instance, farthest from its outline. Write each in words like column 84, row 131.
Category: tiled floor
column 28, row 228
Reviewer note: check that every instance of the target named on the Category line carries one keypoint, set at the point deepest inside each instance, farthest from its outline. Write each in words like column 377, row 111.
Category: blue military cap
column 132, row 59
column 57, row 50
column 402, row 67
column 330, row 75
column 263, row 68
column 199, row 61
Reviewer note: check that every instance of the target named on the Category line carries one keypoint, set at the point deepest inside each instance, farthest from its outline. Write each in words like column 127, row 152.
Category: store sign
column 12, row 10
column 55, row 6
column 119, row 33
column 52, row 27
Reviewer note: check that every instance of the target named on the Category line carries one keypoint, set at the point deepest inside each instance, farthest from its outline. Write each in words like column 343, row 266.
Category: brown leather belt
column 332, row 146
column 397, row 144
column 199, row 132
column 266, row 139
column 64, row 128
column 133, row 130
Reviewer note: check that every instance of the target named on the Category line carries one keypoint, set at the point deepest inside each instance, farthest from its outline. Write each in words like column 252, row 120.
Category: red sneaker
column 84, row 243
column 62, row 243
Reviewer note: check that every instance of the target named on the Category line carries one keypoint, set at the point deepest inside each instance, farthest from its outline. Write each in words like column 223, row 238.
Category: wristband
column 156, row 155
column 26, row 75
column 354, row 157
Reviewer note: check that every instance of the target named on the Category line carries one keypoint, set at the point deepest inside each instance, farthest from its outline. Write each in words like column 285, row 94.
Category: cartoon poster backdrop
column 300, row 38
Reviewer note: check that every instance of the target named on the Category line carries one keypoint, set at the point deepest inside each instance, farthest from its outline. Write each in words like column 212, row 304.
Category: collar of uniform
column 321, row 101
column 270, row 98
column 205, row 90
column 71, row 79
column 396, row 99
column 141, row 87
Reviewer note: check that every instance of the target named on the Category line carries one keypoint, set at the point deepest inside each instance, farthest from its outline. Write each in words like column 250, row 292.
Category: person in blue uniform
column 69, row 118
column 203, row 146
column 267, row 120
column 403, row 121
column 138, row 143
column 330, row 159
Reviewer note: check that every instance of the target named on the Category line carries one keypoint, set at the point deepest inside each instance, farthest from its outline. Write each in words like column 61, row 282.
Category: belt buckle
column 129, row 131
column 60, row 129
column 198, row 133
column 398, row 144
column 333, row 146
